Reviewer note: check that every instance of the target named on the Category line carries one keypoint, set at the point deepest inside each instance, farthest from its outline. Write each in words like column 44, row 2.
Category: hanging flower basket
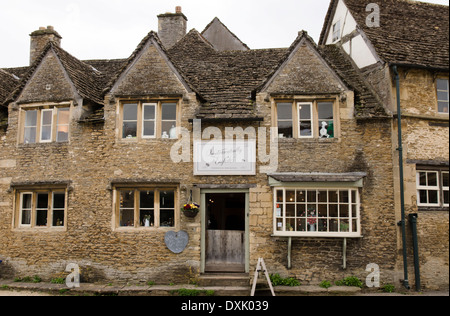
column 191, row 210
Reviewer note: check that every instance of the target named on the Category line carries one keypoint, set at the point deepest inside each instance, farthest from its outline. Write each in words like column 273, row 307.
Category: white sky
column 108, row 29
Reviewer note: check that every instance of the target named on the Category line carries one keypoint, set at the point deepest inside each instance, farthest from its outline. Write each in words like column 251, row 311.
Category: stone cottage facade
column 289, row 152
column 417, row 52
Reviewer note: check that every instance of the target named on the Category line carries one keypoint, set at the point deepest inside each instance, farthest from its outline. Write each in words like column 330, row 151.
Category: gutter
column 402, row 223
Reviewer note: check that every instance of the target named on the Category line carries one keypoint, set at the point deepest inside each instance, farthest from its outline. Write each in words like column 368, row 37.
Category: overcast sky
column 108, row 29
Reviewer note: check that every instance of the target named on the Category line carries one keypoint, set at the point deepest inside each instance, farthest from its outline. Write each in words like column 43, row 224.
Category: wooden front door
column 225, row 232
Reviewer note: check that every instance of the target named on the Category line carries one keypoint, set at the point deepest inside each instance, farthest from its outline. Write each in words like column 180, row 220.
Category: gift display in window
column 321, row 211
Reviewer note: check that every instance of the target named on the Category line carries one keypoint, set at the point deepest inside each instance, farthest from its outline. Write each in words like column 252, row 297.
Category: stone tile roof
column 225, row 79
column 367, row 102
column 411, row 33
column 87, row 81
column 7, row 83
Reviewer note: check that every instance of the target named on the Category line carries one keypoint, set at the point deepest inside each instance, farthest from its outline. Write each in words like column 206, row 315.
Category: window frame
column 38, row 128
column 137, row 208
column 439, row 187
column 315, row 123
column 50, row 192
column 155, row 120
column 347, row 234
column 311, row 119
column 336, row 31
column 141, row 121
column 42, row 126
column 448, row 95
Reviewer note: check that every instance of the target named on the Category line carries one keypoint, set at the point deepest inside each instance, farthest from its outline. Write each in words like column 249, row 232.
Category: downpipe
column 402, row 223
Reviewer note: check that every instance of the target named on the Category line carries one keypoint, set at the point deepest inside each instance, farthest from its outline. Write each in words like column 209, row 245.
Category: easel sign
column 261, row 267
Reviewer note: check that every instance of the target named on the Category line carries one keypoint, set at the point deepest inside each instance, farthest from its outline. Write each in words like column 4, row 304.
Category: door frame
column 203, row 193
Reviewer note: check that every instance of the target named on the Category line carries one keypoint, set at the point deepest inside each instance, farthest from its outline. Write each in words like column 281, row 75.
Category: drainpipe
column 413, row 221
column 402, row 223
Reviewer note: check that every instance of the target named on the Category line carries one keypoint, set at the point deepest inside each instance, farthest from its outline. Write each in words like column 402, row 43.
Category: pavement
column 11, row 288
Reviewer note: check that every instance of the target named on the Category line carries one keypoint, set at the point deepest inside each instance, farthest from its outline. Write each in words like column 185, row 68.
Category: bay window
column 316, row 212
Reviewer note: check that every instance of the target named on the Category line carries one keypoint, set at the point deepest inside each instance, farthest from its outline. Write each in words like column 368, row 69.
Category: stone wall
column 425, row 141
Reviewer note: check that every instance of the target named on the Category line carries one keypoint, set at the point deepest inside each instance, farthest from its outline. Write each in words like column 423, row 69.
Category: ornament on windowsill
column 324, row 131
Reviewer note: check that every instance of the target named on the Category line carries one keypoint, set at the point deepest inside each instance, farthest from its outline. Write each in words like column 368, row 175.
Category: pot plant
column 190, row 209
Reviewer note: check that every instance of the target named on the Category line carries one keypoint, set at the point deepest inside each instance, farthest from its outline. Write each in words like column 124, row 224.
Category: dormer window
column 442, row 95
column 149, row 120
column 307, row 120
column 45, row 125
column 336, row 31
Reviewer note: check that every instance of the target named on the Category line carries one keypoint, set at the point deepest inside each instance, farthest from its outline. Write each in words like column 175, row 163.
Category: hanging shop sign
column 225, row 157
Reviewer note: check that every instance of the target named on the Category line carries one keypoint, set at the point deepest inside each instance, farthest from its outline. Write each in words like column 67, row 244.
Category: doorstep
column 168, row 290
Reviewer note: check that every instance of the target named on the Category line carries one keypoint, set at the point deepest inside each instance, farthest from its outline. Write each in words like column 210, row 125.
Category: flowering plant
column 191, row 207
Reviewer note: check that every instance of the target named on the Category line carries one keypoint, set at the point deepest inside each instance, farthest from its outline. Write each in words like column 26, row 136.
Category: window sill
column 308, row 140
column 34, row 145
column 433, row 209
column 40, row 229
column 146, row 140
column 317, row 235
column 142, row 229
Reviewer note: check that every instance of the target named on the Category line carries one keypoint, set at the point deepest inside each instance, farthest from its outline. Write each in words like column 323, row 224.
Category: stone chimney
column 39, row 40
column 172, row 27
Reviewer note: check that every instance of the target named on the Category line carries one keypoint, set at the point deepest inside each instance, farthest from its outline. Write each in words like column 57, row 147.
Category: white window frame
column 41, row 126
column 428, row 188
column 21, row 209
column 444, row 188
column 311, row 119
column 349, row 234
column 155, row 120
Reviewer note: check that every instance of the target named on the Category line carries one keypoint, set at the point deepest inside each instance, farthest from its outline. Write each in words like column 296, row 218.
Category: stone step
column 225, row 279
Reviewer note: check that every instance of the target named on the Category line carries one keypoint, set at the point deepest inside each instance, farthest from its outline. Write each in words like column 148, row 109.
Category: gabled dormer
column 149, row 91
column 57, row 89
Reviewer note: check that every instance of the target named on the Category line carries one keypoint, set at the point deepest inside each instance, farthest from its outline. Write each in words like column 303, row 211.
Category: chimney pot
column 172, row 27
column 40, row 38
